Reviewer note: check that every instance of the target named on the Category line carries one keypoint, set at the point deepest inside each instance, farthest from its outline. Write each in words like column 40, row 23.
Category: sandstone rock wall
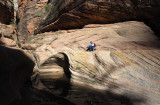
column 75, row 14
column 7, row 11
column 29, row 14
column 65, row 14
column 21, row 7
column 8, row 35
column 126, row 60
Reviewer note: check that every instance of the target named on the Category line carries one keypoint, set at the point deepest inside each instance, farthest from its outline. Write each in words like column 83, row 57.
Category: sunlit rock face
column 21, row 6
column 126, row 61
column 29, row 15
column 7, row 11
column 66, row 14
column 39, row 16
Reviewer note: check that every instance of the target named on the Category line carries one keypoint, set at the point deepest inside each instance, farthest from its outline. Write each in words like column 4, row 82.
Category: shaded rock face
column 8, row 35
column 7, row 11
column 56, row 66
column 125, row 62
column 66, row 14
column 15, row 69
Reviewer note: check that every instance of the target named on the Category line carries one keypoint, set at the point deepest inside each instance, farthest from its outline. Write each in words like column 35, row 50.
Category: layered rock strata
column 29, row 15
column 126, row 61
column 73, row 14
column 50, row 15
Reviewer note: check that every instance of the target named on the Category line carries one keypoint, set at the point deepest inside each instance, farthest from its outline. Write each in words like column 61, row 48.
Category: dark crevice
column 64, row 63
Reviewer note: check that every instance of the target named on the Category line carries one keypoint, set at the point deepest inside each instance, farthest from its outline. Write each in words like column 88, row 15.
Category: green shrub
column 14, row 24
column 18, row 43
column 39, row 14
column 95, row 80
column 11, row 5
column 47, row 8
column 12, row 21
column 78, row 67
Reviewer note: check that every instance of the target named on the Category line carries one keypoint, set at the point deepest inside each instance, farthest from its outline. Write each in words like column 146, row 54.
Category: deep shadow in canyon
column 13, row 67
column 16, row 70
column 77, row 95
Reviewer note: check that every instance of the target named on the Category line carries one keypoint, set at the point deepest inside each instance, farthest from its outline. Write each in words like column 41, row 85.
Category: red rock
column 29, row 13
column 75, row 14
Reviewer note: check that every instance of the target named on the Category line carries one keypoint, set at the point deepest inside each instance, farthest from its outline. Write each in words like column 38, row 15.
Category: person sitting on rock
column 94, row 48
column 91, row 47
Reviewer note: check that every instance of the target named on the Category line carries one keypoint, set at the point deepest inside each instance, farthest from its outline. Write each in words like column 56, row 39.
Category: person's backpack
column 94, row 45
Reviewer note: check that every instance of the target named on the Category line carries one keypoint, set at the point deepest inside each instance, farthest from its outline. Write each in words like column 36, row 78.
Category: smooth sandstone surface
column 124, row 68
column 126, row 61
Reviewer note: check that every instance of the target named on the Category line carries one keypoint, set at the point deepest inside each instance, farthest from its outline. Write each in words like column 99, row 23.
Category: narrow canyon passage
column 44, row 58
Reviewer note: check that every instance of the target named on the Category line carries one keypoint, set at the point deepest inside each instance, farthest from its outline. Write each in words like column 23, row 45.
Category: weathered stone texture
column 126, row 61
column 8, row 35
column 29, row 14
column 65, row 14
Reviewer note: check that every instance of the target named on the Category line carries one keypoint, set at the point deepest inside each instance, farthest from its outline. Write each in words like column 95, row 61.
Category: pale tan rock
column 8, row 42
column 29, row 46
column 7, row 30
column 126, row 61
